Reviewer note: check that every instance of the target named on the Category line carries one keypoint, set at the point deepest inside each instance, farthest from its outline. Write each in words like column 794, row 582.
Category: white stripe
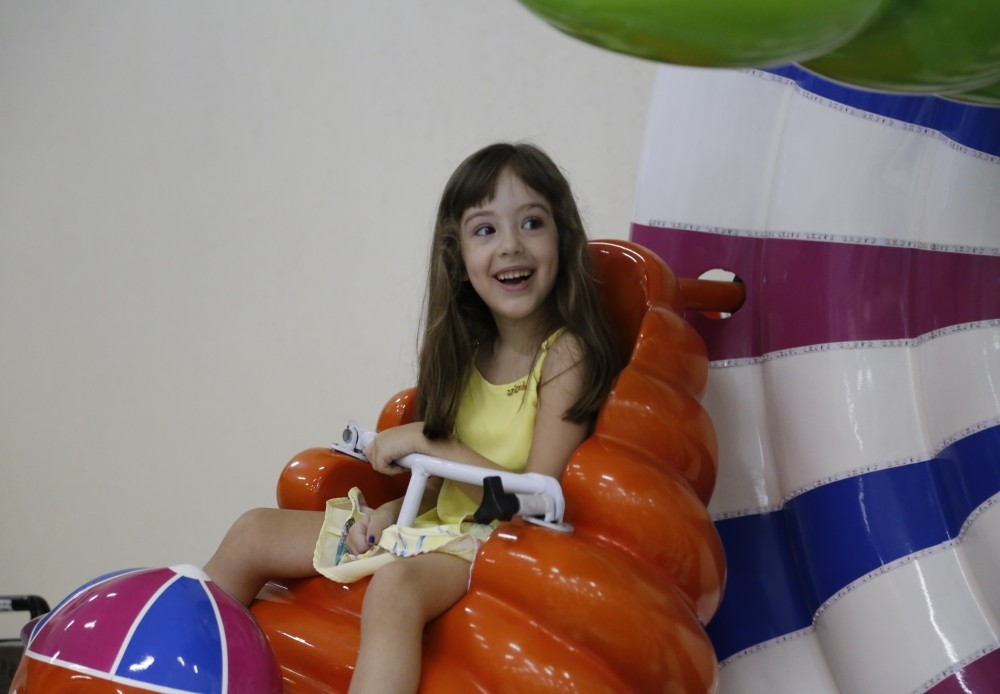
column 748, row 479
column 221, row 629
column 981, row 545
column 729, row 150
column 857, row 344
column 790, row 424
column 869, row 116
column 898, row 630
column 827, row 237
column 839, row 174
column 791, row 664
column 696, row 117
column 960, row 380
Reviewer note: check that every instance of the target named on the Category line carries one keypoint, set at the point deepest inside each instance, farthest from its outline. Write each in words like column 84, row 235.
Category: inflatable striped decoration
column 856, row 395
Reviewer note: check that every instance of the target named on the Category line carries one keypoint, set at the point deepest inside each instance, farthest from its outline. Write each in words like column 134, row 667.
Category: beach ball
column 148, row 630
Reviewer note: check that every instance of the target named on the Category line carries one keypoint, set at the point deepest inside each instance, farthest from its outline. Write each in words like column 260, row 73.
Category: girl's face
column 510, row 248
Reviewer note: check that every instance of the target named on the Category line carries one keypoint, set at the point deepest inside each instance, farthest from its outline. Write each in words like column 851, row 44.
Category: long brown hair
column 456, row 319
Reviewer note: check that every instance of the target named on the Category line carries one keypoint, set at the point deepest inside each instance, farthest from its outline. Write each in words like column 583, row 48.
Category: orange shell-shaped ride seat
column 616, row 606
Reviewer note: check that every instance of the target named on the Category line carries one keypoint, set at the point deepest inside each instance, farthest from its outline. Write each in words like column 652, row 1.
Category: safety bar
column 538, row 495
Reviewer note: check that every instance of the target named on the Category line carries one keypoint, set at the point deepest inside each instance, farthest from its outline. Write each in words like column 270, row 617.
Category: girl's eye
column 532, row 223
column 483, row 230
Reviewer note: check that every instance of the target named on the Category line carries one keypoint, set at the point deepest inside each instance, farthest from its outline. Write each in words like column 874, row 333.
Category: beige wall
column 213, row 226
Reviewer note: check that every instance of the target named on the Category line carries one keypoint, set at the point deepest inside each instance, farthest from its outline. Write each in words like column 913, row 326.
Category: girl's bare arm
column 562, row 382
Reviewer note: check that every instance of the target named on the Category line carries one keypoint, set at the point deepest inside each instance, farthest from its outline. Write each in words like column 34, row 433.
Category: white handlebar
column 538, row 494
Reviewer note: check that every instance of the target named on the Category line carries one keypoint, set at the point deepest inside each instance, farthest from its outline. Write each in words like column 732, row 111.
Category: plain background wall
column 214, row 220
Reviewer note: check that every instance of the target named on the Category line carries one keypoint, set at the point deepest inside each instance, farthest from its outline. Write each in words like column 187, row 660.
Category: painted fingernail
column 371, row 539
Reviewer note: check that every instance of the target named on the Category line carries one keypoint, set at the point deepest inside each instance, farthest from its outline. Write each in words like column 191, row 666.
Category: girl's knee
column 422, row 589
column 390, row 583
column 249, row 528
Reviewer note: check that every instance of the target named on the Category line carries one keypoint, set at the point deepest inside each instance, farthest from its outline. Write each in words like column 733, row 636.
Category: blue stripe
column 783, row 565
column 763, row 598
column 178, row 643
column 975, row 126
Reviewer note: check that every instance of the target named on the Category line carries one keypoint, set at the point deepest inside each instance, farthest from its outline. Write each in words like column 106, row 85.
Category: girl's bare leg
column 262, row 544
column 402, row 597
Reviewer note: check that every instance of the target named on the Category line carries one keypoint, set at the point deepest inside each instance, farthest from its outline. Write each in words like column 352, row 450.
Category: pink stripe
column 246, row 646
column 979, row 677
column 90, row 628
column 802, row 293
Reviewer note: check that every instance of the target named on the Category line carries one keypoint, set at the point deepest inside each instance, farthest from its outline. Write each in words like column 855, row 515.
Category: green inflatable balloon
column 922, row 47
column 713, row 33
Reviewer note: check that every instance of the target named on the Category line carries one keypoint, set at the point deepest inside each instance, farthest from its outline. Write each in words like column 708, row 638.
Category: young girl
column 515, row 361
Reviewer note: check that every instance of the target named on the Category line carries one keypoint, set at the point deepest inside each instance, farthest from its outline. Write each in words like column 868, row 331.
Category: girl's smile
column 511, row 253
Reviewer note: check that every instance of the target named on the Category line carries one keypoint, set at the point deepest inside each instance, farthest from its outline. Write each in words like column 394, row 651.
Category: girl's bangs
column 477, row 185
column 475, row 190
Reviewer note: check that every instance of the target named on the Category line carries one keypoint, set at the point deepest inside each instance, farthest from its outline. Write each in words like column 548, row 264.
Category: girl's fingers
column 387, row 447
column 381, row 463
column 357, row 536
column 367, row 529
column 374, row 529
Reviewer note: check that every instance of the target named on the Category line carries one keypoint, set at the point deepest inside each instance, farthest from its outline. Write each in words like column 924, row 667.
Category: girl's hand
column 392, row 444
column 367, row 530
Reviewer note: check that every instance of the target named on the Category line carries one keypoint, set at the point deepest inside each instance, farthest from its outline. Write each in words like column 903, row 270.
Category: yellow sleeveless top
column 496, row 421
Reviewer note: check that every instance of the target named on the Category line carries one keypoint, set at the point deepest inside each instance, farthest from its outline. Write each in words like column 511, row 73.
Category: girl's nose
column 510, row 241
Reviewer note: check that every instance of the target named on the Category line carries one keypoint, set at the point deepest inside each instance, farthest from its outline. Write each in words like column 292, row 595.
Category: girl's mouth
column 513, row 277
